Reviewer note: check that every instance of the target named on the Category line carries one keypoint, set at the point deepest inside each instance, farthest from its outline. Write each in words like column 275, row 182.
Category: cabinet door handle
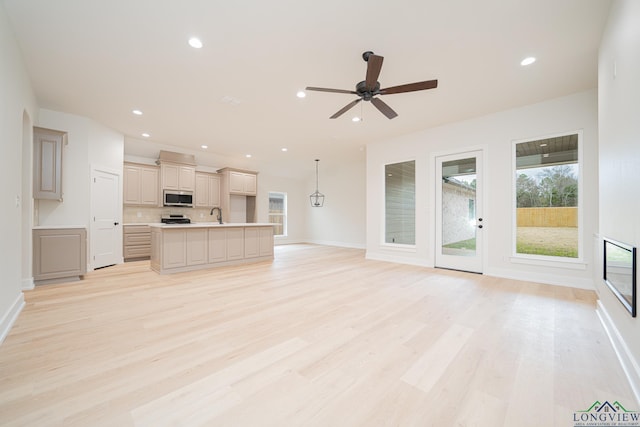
column 116, row 223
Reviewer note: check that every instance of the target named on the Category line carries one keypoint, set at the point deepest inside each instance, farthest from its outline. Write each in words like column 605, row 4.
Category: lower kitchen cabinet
column 136, row 242
column 182, row 248
column 59, row 253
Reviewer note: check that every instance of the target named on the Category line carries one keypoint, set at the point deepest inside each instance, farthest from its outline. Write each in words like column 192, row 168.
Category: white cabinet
column 174, row 247
column 251, row 242
column 59, row 253
column 47, row 163
column 235, row 243
column 141, row 185
column 258, row 242
column 266, row 241
column 207, row 194
column 178, row 177
column 238, row 184
column 193, row 247
column 136, row 242
column 217, row 245
column 243, row 183
column 197, row 244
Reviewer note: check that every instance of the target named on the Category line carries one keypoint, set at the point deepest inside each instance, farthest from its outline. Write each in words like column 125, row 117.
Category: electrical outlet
column 139, row 214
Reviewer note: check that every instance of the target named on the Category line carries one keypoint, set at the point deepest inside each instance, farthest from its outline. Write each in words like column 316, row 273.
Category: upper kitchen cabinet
column 47, row 163
column 207, row 194
column 177, row 171
column 243, row 183
column 238, row 190
column 178, row 177
column 141, row 185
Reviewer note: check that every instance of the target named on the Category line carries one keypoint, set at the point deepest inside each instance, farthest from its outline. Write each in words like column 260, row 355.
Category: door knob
column 480, row 226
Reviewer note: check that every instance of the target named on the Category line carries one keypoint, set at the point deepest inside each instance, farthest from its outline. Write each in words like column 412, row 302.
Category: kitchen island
column 186, row 247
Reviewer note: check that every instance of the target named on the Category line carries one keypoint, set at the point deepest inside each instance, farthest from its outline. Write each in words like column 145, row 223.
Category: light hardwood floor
column 319, row 337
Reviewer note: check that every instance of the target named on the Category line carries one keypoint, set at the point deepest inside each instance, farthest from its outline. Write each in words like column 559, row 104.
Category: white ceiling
column 102, row 59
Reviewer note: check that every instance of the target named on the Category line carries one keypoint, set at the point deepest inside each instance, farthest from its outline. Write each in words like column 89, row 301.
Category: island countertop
column 211, row 224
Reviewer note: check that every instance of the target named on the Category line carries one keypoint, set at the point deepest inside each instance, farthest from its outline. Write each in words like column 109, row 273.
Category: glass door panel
column 458, row 207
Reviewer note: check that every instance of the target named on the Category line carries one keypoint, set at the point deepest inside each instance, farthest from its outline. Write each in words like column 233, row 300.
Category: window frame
column 284, row 214
column 383, row 236
column 548, row 260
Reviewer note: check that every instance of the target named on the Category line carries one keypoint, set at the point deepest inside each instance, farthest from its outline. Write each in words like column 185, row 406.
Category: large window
column 278, row 212
column 547, row 184
column 400, row 203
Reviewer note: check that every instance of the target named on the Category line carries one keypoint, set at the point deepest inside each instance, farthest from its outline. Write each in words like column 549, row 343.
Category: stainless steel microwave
column 177, row 198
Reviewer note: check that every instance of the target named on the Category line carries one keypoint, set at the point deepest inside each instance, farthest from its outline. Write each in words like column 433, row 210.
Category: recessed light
column 301, row 94
column 356, row 119
column 204, row 146
column 146, row 135
column 137, row 112
column 527, row 61
column 284, row 149
column 248, row 156
column 195, row 43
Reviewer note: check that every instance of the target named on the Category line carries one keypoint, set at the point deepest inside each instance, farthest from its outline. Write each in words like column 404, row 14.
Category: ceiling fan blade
column 345, row 109
column 411, row 87
column 322, row 89
column 374, row 65
column 384, row 108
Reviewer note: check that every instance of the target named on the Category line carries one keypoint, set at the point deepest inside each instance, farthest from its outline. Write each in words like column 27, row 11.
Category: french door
column 459, row 221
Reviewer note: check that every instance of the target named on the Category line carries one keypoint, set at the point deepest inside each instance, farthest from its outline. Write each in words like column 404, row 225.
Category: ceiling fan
column 370, row 87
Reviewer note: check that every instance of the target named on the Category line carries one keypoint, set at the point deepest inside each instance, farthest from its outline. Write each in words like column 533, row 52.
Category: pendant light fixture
column 317, row 198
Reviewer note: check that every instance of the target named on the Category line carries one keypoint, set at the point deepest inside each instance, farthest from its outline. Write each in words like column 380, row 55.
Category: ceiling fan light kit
column 369, row 89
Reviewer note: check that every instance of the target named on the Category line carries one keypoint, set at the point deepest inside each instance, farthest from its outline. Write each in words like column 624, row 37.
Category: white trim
column 628, row 362
column 28, row 284
column 547, row 279
column 338, row 244
column 514, row 179
column 376, row 256
column 11, row 316
column 557, row 262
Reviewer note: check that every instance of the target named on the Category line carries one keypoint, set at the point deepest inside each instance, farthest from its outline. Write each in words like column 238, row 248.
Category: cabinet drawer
column 129, row 229
column 137, row 239
column 137, row 251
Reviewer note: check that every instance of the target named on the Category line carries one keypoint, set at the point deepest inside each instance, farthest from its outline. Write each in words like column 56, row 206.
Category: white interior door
column 106, row 210
column 459, row 221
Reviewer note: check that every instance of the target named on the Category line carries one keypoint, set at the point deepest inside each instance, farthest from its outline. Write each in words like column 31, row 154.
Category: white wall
column 89, row 144
column 342, row 219
column 296, row 198
column 494, row 134
column 18, row 111
column 619, row 104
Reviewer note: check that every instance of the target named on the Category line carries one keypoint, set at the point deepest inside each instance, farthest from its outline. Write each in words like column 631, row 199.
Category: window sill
column 572, row 264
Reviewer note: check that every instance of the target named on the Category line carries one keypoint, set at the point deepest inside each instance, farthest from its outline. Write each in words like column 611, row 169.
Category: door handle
column 116, row 223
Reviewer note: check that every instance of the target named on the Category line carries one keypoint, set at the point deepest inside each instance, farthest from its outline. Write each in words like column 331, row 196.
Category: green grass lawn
column 547, row 241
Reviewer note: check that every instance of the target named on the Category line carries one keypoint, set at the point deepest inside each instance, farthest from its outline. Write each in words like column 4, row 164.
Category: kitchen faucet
column 219, row 213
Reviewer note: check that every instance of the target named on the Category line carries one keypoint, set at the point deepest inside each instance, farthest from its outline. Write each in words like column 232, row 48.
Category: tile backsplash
column 145, row 215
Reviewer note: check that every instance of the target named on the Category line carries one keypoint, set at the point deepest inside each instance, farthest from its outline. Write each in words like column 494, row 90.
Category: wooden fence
column 547, row 217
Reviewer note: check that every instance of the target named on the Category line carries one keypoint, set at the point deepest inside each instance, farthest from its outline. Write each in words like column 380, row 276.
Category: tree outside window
column 547, row 183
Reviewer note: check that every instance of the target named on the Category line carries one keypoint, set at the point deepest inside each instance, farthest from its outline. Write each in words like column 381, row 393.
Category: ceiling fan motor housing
column 361, row 89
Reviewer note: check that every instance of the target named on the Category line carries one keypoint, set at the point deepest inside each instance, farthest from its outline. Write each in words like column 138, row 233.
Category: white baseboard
column 399, row 259
column 628, row 362
column 547, row 279
column 28, row 284
column 11, row 316
column 338, row 244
